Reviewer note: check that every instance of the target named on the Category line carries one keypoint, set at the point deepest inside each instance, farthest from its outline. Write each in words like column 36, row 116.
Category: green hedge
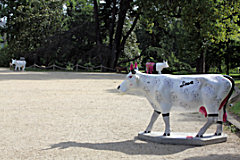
column 5, row 58
column 235, row 109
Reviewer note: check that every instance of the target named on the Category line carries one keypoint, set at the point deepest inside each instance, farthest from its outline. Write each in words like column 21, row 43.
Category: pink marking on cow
column 189, row 137
column 225, row 117
column 203, row 110
column 149, row 67
column 223, row 103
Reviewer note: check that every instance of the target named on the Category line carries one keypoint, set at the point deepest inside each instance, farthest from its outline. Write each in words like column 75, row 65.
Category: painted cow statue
column 19, row 64
column 152, row 67
column 209, row 92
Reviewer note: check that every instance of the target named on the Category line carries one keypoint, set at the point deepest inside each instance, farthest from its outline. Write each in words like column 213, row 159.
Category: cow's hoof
column 199, row 136
column 147, row 131
column 166, row 134
column 218, row 134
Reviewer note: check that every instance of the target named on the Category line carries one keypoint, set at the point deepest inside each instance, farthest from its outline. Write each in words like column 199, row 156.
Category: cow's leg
column 219, row 128
column 152, row 121
column 166, row 107
column 167, row 124
column 23, row 68
column 219, row 123
column 212, row 118
column 15, row 68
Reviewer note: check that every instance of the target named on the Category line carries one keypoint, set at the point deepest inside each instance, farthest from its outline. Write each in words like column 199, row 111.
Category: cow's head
column 13, row 61
column 165, row 64
column 131, row 81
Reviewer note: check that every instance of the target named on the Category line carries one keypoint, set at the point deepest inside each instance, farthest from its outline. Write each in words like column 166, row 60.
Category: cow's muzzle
column 118, row 87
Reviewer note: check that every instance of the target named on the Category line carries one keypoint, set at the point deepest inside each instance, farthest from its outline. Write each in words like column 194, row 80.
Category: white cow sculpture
column 19, row 64
column 151, row 67
column 209, row 92
column 160, row 66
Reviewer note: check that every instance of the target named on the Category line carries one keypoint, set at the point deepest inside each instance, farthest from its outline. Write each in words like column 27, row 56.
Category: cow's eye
column 130, row 76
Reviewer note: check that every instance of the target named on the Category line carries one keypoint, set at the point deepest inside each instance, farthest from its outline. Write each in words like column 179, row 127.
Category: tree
column 205, row 23
column 73, row 44
column 228, row 28
column 29, row 24
column 111, row 18
column 111, row 32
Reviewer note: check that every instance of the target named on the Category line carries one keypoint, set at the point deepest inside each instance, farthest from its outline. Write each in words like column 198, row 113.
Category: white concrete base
column 181, row 138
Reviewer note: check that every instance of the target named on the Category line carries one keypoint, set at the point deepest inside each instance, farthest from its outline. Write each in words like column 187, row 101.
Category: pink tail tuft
column 224, row 117
column 131, row 67
column 203, row 110
column 223, row 103
column 136, row 66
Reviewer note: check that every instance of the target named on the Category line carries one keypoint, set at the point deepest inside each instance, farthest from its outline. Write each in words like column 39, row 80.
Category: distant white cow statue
column 151, row 67
column 209, row 92
column 19, row 64
column 160, row 66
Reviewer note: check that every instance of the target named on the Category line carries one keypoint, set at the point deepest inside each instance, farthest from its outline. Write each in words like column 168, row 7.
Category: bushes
column 236, row 109
column 4, row 57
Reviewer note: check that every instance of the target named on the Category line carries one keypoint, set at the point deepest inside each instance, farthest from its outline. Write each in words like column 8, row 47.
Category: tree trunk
column 204, row 59
column 201, row 62
column 117, row 39
column 228, row 51
column 97, row 28
column 112, row 25
column 116, row 51
column 219, row 68
column 200, row 67
column 227, row 62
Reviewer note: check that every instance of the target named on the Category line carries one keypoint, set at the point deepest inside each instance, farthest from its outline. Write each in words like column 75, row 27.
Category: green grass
column 237, row 81
column 235, row 109
column 231, row 128
column 234, row 74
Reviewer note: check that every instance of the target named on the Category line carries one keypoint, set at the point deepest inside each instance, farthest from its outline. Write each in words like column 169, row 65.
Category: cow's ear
column 136, row 66
column 132, row 69
column 167, row 64
column 137, row 76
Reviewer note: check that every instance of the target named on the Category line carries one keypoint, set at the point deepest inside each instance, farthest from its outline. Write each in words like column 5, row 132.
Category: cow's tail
column 225, row 101
column 235, row 97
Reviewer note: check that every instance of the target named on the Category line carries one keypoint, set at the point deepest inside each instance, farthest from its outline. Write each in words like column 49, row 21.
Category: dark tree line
column 200, row 34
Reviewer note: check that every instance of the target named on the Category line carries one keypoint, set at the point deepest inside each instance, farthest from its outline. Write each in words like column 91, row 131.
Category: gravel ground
column 68, row 115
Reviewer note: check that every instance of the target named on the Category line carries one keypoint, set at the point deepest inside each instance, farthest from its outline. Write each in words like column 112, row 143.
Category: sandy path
column 67, row 115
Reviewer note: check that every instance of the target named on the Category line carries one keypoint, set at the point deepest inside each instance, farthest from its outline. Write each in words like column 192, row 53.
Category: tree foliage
column 30, row 23
column 201, row 25
column 188, row 33
column 114, row 23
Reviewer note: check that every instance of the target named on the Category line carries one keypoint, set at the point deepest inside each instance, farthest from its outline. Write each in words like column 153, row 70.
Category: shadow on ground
column 132, row 93
column 192, row 116
column 19, row 75
column 130, row 147
column 216, row 156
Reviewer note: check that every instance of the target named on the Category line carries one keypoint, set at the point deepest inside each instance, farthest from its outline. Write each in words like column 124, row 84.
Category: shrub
column 4, row 57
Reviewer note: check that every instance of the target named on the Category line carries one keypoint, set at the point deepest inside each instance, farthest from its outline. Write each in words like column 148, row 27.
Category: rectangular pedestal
column 180, row 138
